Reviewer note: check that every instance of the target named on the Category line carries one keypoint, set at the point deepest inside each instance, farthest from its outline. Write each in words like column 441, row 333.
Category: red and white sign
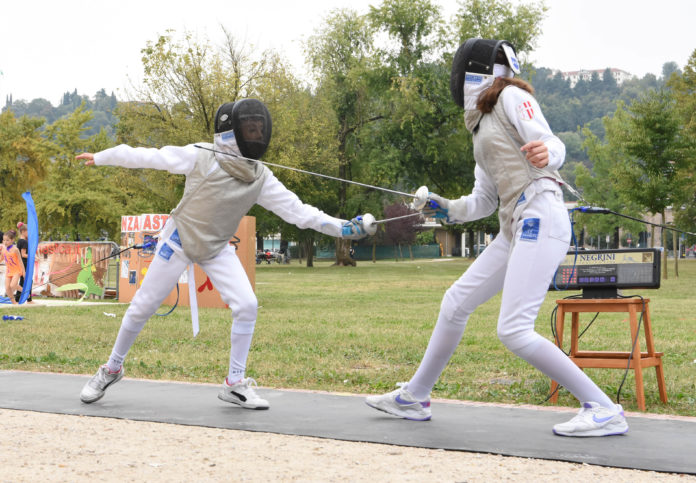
column 133, row 223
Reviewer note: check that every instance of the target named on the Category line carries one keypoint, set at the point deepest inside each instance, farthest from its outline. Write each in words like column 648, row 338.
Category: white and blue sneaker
column 242, row 394
column 594, row 420
column 401, row 403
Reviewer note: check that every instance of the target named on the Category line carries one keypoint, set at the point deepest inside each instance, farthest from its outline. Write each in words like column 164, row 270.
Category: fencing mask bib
column 476, row 64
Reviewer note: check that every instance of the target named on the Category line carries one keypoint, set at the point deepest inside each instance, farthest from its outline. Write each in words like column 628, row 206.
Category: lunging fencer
column 219, row 190
column 517, row 161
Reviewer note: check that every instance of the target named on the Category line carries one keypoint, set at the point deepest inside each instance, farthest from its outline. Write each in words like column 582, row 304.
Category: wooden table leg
column 608, row 359
column 649, row 342
column 636, row 359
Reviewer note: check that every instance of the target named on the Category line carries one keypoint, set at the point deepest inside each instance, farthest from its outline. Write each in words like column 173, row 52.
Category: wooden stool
column 607, row 359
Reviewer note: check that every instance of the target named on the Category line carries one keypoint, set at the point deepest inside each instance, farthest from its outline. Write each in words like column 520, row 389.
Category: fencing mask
column 476, row 64
column 245, row 126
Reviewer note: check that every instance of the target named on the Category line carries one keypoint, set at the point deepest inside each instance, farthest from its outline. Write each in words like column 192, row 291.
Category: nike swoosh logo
column 601, row 420
column 402, row 401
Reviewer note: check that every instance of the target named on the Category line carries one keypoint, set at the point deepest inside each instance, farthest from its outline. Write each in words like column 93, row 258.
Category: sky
column 49, row 47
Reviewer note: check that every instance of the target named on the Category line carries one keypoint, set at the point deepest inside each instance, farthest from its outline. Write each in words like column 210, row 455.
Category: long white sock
column 125, row 339
column 549, row 359
column 443, row 343
column 238, row 356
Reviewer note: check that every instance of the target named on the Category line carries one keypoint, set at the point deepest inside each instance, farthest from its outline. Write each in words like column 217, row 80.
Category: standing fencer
column 517, row 161
column 219, row 190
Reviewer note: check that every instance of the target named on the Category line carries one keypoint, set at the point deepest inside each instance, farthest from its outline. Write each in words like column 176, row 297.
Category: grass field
column 359, row 330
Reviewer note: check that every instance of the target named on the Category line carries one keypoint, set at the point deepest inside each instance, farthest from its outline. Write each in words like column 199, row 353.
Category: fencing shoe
column 401, row 403
column 594, row 420
column 243, row 394
column 95, row 387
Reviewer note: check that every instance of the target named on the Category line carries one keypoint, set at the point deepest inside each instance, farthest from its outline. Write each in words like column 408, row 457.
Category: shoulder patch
column 525, row 111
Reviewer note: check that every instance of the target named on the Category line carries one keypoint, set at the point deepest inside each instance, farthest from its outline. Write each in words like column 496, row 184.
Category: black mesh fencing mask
column 477, row 56
column 223, row 118
column 252, row 127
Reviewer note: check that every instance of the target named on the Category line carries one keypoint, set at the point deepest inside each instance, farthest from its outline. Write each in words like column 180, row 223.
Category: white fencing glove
column 436, row 207
column 449, row 211
column 359, row 227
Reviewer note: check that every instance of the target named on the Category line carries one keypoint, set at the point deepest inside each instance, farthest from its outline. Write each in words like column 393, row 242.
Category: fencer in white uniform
column 517, row 161
column 219, row 191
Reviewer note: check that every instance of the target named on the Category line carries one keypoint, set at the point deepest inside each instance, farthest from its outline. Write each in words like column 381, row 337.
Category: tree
column 340, row 53
column 598, row 190
column 683, row 89
column 401, row 231
column 595, row 83
column 651, row 149
column 303, row 138
column 418, row 138
column 413, row 26
column 669, row 68
column 185, row 81
column 76, row 200
column 609, row 84
column 24, row 158
column 500, row 19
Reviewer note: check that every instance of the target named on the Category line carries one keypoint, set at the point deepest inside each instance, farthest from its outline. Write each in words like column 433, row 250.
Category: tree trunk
column 470, row 243
column 343, row 258
column 652, row 236
column 309, row 250
column 664, row 248
column 410, row 252
column 374, row 251
column 617, row 238
column 675, row 245
column 300, row 252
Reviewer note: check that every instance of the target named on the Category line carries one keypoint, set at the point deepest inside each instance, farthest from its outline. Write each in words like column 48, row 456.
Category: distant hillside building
column 575, row 75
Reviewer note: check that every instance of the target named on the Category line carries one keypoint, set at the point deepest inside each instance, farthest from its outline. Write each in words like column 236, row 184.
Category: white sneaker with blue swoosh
column 594, row 420
column 401, row 403
column 242, row 394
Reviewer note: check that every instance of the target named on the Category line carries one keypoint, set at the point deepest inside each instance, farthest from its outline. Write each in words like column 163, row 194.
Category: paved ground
column 653, row 443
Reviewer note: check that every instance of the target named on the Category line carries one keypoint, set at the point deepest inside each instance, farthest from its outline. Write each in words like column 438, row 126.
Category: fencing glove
column 358, row 228
column 443, row 209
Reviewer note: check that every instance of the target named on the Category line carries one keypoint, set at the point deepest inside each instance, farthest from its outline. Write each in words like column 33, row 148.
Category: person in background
column 23, row 246
column 14, row 269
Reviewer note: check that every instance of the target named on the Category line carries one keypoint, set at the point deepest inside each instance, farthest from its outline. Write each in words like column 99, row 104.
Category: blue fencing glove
column 354, row 229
